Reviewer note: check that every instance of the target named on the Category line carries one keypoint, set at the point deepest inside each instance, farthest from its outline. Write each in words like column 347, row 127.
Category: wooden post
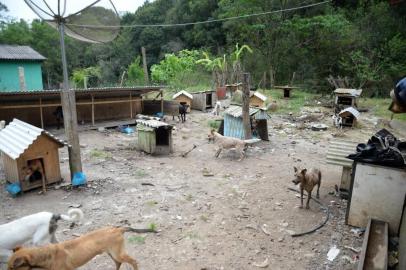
column 131, row 106
column 293, row 78
column 92, row 109
column 246, row 106
column 40, row 113
column 144, row 63
column 162, row 102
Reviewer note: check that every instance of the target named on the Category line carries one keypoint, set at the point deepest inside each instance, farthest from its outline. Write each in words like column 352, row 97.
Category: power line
column 199, row 22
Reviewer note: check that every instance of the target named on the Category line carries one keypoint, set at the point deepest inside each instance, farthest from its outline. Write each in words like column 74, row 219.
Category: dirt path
column 204, row 222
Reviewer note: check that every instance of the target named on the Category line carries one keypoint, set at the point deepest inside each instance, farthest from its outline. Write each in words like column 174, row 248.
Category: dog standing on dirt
column 307, row 180
column 224, row 142
column 37, row 228
column 72, row 254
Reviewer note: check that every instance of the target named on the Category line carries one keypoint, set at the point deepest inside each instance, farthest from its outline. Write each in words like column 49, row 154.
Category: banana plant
column 236, row 57
column 218, row 67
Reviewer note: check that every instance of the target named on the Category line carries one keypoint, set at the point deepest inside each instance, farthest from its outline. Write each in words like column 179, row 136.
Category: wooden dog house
column 345, row 98
column 154, row 137
column 184, row 97
column 257, row 99
column 203, row 101
column 22, row 145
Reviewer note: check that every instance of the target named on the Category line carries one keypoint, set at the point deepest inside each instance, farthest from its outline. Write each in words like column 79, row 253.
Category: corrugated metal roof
column 350, row 110
column 12, row 52
column 236, row 111
column 18, row 136
column 88, row 90
column 259, row 95
column 152, row 123
column 350, row 92
column 183, row 92
column 339, row 150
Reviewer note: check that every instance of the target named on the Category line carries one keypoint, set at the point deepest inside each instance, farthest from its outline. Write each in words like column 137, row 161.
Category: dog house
column 257, row 99
column 154, row 137
column 185, row 98
column 30, row 155
column 349, row 116
column 203, row 101
column 233, row 124
column 345, row 98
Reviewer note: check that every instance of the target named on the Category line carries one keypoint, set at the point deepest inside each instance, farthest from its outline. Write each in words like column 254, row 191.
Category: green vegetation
column 152, row 226
column 362, row 40
column 136, row 239
column 100, row 154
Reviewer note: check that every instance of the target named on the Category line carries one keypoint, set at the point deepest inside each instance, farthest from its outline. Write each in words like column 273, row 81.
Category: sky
column 19, row 9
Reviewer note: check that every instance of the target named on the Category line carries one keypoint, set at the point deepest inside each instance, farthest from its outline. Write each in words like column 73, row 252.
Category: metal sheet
column 183, row 92
column 18, row 136
column 349, row 92
column 152, row 123
column 13, row 52
column 350, row 110
column 339, row 150
column 236, row 111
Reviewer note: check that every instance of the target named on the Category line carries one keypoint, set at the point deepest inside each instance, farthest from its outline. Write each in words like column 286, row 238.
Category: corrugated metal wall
column 10, row 168
column 233, row 127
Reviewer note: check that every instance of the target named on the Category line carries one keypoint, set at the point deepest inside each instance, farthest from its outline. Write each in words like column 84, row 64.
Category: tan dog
column 72, row 254
column 307, row 180
column 227, row 143
column 33, row 166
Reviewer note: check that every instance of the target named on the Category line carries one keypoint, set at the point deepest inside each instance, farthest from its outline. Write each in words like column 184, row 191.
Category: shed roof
column 236, row 111
column 350, row 110
column 183, row 92
column 339, row 150
column 152, row 123
column 13, row 52
column 258, row 95
column 18, row 136
column 348, row 92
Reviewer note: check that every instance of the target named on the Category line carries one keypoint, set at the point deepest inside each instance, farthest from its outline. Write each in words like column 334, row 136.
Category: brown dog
column 72, row 254
column 35, row 165
column 307, row 180
column 224, row 142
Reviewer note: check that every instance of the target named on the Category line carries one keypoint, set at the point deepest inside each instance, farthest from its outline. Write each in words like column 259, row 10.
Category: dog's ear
column 294, row 168
column 17, row 248
column 20, row 261
column 212, row 131
column 304, row 171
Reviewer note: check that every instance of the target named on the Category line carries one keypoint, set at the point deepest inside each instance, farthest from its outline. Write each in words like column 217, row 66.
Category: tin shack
column 233, row 124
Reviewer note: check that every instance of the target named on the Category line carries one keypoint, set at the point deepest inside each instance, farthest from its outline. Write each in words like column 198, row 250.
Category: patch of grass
column 204, row 218
column 95, row 153
column 151, row 203
column 192, row 235
column 213, row 124
column 189, row 197
column 379, row 107
column 140, row 173
column 152, row 226
column 136, row 239
column 293, row 104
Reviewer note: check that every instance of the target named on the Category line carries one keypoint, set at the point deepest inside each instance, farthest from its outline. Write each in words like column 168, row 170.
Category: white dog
column 37, row 228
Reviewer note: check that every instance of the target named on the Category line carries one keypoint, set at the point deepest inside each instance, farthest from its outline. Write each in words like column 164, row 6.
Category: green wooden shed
column 20, row 68
column 154, row 137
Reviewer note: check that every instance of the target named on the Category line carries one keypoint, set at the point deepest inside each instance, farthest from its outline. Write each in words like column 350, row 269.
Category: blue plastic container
column 13, row 188
column 79, row 179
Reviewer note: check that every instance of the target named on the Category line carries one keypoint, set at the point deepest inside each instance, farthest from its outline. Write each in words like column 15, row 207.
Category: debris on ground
column 332, row 253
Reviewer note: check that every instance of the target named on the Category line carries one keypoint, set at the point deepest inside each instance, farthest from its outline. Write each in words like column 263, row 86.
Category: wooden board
column 377, row 192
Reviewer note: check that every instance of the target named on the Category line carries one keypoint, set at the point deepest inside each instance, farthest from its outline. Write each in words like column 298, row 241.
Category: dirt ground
column 237, row 218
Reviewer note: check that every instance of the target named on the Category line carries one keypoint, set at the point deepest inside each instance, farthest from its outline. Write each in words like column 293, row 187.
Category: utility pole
column 246, row 105
column 69, row 112
column 144, row 63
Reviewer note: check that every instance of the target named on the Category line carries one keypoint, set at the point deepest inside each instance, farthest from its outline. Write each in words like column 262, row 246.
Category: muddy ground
column 237, row 218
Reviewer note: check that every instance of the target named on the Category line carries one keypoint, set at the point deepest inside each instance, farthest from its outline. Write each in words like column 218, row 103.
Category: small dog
column 307, row 180
column 182, row 112
column 36, row 169
column 72, row 254
column 227, row 143
column 39, row 228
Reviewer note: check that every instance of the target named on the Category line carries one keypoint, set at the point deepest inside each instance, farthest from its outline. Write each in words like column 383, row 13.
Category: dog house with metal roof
column 257, row 99
column 233, row 124
column 345, row 98
column 154, row 137
column 30, row 155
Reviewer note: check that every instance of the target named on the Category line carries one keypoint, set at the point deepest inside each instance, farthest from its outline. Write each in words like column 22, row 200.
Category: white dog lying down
column 37, row 228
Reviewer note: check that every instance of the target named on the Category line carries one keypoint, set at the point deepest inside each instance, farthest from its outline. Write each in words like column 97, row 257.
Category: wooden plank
column 59, row 104
column 92, row 110
column 162, row 102
column 246, row 106
column 41, row 113
column 131, row 106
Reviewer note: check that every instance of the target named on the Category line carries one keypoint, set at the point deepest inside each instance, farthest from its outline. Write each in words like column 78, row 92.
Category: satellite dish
column 98, row 13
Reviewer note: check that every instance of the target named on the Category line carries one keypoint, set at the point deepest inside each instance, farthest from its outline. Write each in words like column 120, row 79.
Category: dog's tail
column 74, row 215
column 251, row 141
column 129, row 229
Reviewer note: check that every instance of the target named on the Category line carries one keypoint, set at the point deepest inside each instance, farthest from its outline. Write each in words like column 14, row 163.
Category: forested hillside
column 363, row 40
